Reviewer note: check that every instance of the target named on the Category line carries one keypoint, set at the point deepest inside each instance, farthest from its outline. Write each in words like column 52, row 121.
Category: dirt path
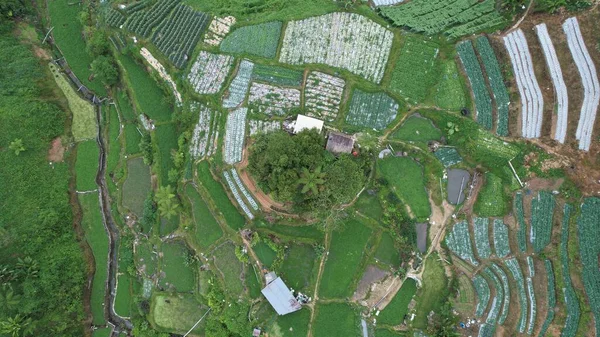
column 316, row 292
column 251, row 253
column 523, row 17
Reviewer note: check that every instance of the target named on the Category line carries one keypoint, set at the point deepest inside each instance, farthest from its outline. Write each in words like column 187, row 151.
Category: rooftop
column 305, row 122
column 280, row 297
column 340, row 143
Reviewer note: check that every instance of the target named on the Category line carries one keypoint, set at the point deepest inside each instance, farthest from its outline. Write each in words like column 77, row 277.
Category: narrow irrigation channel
column 118, row 323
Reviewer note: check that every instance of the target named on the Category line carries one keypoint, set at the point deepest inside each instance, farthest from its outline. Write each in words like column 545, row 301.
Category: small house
column 340, row 143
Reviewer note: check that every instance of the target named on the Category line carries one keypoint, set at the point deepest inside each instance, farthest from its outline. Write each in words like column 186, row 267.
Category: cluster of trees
column 42, row 271
column 297, row 168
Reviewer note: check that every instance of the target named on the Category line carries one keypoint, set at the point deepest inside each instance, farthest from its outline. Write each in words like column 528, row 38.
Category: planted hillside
column 588, row 227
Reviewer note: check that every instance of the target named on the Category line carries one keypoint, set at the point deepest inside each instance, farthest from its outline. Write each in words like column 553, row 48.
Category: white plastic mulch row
column 209, row 71
column 532, row 102
column 237, row 196
column 589, row 77
column 532, row 306
column 162, row 73
column 270, row 99
column 235, row 130
column 219, row 27
column 344, row 40
column 239, row 86
column 562, row 98
column 386, row 2
column 517, row 274
column 322, row 95
column 201, row 132
column 243, row 189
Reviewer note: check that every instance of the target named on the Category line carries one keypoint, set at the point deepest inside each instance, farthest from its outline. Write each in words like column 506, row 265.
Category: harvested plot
column 450, row 93
column 517, row 274
column 416, row 70
column 459, row 242
column 417, row 129
column 177, row 35
column 177, row 313
column 177, row 274
column 560, row 88
column 137, row 185
column 209, row 71
column 482, row 243
column 490, row 202
column 207, row 228
column 236, row 93
column 532, row 102
column 218, row 29
column 233, row 218
column 406, row 179
column 394, row 312
column 483, row 101
column 455, row 18
column 97, row 238
column 492, row 69
column 591, row 86
column 277, row 75
column 371, row 110
column 86, row 165
column 343, row 40
column 336, row 320
column 142, row 22
column 272, row 100
column 260, row 126
column 588, row 227
column 344, row 259
column 501, row 244
column 322, row 95
column 483, row 294
column 84, row 116
column 542, row 209
column 230, row 267
column 235, row 131
column 199, row 141
column 259, row 40
column 298, row 266
column 571, row 300
column 506, row 292
column 448, row 156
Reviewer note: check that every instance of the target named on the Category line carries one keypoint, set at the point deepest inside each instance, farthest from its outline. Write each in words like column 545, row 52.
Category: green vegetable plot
column 259, row 40
column 483, row 101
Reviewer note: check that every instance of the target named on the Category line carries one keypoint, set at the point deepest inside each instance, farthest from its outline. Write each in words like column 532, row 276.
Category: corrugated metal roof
column 280, row 297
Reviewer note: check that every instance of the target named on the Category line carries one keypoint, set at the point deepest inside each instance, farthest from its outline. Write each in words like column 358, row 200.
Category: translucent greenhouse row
column 235, row 130
column 517, row 274
column 237, row 196
column 482, row 242
column 459, row 242
column 501, row 243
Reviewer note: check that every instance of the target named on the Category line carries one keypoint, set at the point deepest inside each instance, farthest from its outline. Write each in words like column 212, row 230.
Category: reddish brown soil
column 56, row 153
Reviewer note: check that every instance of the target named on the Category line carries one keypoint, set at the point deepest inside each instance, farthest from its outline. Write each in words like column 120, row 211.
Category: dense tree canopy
column 298, row 168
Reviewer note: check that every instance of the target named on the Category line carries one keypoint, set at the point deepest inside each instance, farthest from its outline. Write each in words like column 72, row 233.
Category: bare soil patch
column 371, row 276
column 56, row 153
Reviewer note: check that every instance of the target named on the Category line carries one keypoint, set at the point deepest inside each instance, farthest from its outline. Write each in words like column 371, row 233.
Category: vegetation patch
column 491, row 201
column 265, row 253
column 124, row 297
column 394, row 312
column 231, row 268
column 336, row 320
column 371, row 110
column 369, row 205
column 387, row 252
column 292, row 231
column 417, row 129
column 137, row 185
column 293, row 325
column 166, row 137
column 450, row 92
column 258, row 40
column 86, row 166
column 277, row 75
column 114, row 143
column 298, row 266
column 433, row 294
column 125, row 107
column 405, row 176
column 252, row 281
column 207, row 230
column 344, row 259
column 177, row 264
column 177, row 313
column 133, row 137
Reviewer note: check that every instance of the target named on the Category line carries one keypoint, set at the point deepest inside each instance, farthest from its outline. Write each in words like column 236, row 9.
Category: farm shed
column 280, row 297
column 340, row 143
column 305, row 122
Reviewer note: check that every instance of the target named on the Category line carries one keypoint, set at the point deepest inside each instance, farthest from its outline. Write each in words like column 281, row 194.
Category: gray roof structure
column 340, row 143
column 280, row 297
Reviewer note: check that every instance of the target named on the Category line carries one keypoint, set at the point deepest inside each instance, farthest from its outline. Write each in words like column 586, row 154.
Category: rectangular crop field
column 336, row 320
column 230, row 267
column 416, row 70
column 406, row 179
column 124, row 297
column 136, row 186
column 491, row 201
column 417, row 129
column 207, row 230
column 387, row 251
column 177, row 313
column 166, row 136
column 132, row 139
column 97, row 238
column 299, row 266
column 371, row 110
column 233, row 218
column 394, row 312
column 450, row 92
column 345, row 255
column 277, row 75
column 293, row 325
column 86, row 166
column 259, row 40
column 435, row 288
column 178, row 273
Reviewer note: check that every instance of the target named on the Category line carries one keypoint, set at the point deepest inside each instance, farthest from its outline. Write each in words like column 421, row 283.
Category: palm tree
column 8, row 299
column 28, row 267
column 311, row 180
column 16, row 326
column 167, row 201
column 7, row 274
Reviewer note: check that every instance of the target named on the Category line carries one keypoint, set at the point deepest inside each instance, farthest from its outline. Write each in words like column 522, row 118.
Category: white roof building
column 305, row 122
column 281, row 297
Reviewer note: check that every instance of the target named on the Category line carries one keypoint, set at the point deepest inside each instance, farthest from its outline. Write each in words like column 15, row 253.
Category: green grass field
column 230, row 267
column 177, row 312
column 207, row 230
column 292, row 325
column 145, row 258
column 136, row 186
column 132, row 139
column 406, row 179
column 416, row 70
column 252, row 281
column 433, row 294
column 491, row 200
column 97, row 238
column 387, row 251
column 394, row 312
column 336, row 320
column 233, row 218
column 417, row 129
column 124, row 298
column 308, row 232
column 345, row 255
column 298, row 266
column 125, row 107
column 166, row 138
column 178, row 273
column 265, row 253
column 104, row 332
column 114, row 144
column 168, row 225
column 67, row 35
column 150, row 98
column 84, row 115
column 388, row 333
column 450, row 92
column 259, row 40
column 86, row 165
